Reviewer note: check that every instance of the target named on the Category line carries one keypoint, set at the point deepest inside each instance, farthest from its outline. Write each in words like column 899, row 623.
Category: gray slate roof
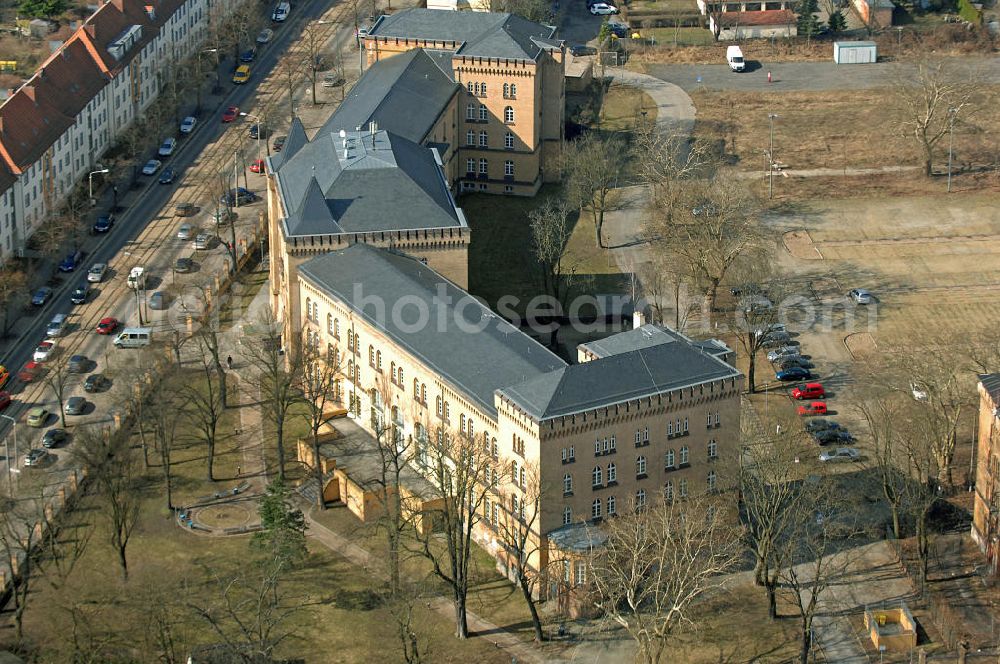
column 991, row 383
column 404, row 94
column 617, row 378
column 481, row 34
column 648, row 336
column 385, row 182
column 474, row 350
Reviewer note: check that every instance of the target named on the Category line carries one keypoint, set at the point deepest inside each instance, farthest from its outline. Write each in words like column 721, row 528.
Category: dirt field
column 932, row 262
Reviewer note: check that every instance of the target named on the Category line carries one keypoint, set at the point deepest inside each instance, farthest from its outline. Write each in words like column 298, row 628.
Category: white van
column 134, row 337
column 734, row 56
column 281, row 12
column 57, row 326
column 137, row 277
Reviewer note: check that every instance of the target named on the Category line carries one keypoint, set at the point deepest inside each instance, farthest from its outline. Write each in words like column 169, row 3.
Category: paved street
column 793, row 76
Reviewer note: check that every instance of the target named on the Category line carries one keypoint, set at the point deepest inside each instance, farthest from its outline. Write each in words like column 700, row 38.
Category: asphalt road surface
column 795, row 76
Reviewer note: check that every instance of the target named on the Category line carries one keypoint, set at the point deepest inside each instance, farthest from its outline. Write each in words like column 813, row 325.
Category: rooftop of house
column 648, row 336
column 765, row 17
column 462, row 341
column 404, row 94
column 634, row 367
column 361, row 181
column 476, row 34
column 991, row 383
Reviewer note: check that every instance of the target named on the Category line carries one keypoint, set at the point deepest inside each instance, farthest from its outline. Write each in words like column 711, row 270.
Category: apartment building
column 357, row 187
column 644, row 414
column 986, row 503
column 57, row 125
column 506, row 104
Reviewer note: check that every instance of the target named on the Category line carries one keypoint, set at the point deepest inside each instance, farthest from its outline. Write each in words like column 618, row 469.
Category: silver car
column 202, row 241
column 184, row 232
column 782, row 353
column 841, row 454
column 861, row 296
column 96, row 272
column 75, row 405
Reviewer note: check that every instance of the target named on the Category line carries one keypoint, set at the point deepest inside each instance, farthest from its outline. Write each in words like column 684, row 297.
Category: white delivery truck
column 734, row 57
column 137, row 277
column 134, row 337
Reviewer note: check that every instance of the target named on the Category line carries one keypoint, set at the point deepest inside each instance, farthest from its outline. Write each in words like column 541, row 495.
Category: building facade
column 57, row 125
column 508, row 108
column 649, row 414
column 986, row 507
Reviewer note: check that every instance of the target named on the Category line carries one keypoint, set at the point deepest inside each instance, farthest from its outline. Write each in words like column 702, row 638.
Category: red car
column 30, row 371
column 4, row 400
column 813, row 408
column 230, row 113
column 809, row 391
column 107, row 325
column 257, row 166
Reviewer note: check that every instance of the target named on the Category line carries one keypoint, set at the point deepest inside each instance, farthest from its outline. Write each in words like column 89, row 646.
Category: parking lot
column 931, row 263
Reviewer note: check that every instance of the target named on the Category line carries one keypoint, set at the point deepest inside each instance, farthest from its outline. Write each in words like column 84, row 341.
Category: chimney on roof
column 29, row 91
column 151, row 12
column 372, row 127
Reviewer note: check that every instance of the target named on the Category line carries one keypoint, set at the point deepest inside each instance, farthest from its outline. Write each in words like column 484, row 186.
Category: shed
column 854, row 52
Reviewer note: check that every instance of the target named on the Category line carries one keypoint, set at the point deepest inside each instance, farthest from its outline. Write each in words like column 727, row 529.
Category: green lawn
column 623, row 107
column 685, row 36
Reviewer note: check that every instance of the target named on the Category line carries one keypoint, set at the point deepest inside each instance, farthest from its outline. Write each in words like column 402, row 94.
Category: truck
column 134, row 337
column 734, row 58
column 137, row 277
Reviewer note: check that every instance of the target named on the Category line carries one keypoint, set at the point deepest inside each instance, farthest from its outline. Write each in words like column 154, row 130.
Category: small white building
column 854, row 52
column 747, row 25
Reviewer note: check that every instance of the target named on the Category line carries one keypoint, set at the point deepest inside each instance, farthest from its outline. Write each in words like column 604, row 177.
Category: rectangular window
column 470, row 138
column 484, row 167
column 483, row 114
column 508, row 141
column 470, row 166
column 581, row 572
column 572, row 453
column 484, row 139
column 508, row 168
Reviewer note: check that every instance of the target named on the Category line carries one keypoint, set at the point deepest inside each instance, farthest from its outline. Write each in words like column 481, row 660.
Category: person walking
column 229, row 361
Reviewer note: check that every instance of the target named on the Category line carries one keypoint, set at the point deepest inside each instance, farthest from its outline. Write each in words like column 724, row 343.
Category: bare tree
column 13, row 292
column 754, row 320
column 881, row 414
column 401, row 607
column 19, row 538
column 313, row 43
column 924, row 480
column 205, row 408
column 930, row 97
column 165, row 412
column 111, row 462
column 459, row 469
column 520, row 537
column 710, row 227
column 592, row 166
column 276, row 377
column 319, row 387
column 657, row 560
column 56, row 378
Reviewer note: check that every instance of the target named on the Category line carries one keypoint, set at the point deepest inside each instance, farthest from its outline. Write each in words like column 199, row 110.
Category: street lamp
column 952, row 112
column 771, row 117
column 10, row 481
column 90, row 179
column 261, row 128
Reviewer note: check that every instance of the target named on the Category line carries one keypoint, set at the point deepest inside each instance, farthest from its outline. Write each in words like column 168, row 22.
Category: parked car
column 841, row 454
column 579, row 50
column 776, row 340
column 809, row 391
column 828, row 436
column 80, row 293
column 185, row 209
column 794, row 373
column 96, row 272
column 242, row 74
column 918, row 391
column 5, row 400
column 41, row 296
column 819, row 424
column 259, row 131
column 104, row 223
column 861, row 296
column 333, row 80
column 95, row 383
column 748, row 289
column 280, row 13
column 69, row 263
column 78, row 364
column 35, row 458
column 44, row 350
column 183, row 265
column 187, row 124
column 167, row 176
column 258, row 166
column 202, row 241
column 30, row 371
column 230, row 114
column 75, row 405
column 184, row 231
column 54, row 438
column 602, row 9
column 619, row 30
column 782, row 352
column 772, row 327
column 264, row 36
column 158, row 301
column 167, row 148
column 279, row 143
column 793, row 361
column 151, row 167
column 107, row 325
column 812, row 408
column 248, row 55
column 37, row 417
column 756, row 304
column 237, row 197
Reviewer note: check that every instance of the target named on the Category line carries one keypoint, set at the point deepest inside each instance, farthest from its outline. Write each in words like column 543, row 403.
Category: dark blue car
column 248, row 56
column 80, row 294
column 41, row 296
column 69, row 263
column 104, row 223
column 167, row 176
column 794, row 373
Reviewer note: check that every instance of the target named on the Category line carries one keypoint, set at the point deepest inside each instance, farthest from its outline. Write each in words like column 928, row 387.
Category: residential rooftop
column 360, row 182
column 648, row 336
column 474, row 34
column 465, row 343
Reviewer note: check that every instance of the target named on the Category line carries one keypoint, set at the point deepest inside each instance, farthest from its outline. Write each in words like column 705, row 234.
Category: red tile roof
column 766, row 17
column 29, row 125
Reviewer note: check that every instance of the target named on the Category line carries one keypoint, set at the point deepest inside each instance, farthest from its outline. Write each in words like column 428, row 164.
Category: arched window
column 482, row 89
column 329, row 323
column 470, row 138
column 712, row 479
column 521, row 478
column 470, row 111
column 611, row 506
column 309, row 305
column 484, row 113
column 371, row 355
column 350, row 340
column 506, row 90
column 713, row 450
column 513, row 472
column 682, row 488
column 669, row 459
column 399, row 378
column 392, row 371
column 378, row 360
column 423, row 393
column 508, row 114
column 640, row 498
column 567, row 483
column 595, row 509
column 596, row 476
column 439, row 403
column 350, row 370
column 612, row 473
column 461, row 423
column 567, row 516
column 508, row 141
column 684, row 455
column 668, row 490
column 471, row 428
column 513, row 90
column 416, row 389
column 336, row 327
column 640, row 465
